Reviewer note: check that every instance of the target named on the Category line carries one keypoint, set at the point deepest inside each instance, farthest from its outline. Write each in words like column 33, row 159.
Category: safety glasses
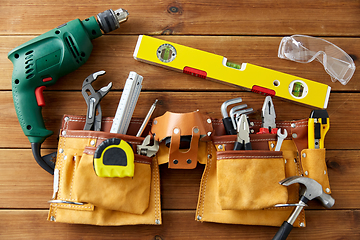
column 304, row 49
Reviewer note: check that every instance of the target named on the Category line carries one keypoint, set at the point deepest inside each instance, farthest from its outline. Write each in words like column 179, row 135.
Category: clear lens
column 304, row 49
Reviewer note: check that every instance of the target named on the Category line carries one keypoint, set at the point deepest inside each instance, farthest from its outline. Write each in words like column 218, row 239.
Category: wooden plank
column 342, row 133
column 227, row 17
column 243, row 31
column 114, row 55
column 23, row 184
column 176, row 225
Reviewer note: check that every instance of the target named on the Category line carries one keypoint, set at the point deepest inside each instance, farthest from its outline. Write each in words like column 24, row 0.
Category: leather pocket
column 314, row 166
column 127, row 194
column 249, row 180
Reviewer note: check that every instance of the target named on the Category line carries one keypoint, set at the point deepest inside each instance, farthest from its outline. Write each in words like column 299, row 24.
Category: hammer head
column 311, row 189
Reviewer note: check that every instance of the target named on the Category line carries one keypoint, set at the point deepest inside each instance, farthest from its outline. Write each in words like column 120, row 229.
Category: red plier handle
column 266, row 130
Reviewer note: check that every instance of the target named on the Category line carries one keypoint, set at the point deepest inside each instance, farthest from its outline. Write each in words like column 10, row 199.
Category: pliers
column 268, row 117
column 93, row 121
column 242, row 137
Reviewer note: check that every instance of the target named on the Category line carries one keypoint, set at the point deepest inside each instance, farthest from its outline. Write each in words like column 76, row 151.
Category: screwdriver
column 147, row 118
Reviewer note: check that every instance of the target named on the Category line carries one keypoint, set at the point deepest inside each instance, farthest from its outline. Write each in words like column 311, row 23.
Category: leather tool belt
column 83, row 197
column 238, row 187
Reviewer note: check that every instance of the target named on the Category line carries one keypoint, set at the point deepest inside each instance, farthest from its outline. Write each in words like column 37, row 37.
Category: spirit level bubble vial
column 215, row 67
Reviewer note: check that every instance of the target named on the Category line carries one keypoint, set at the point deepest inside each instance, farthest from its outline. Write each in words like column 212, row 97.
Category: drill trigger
column 39, row 96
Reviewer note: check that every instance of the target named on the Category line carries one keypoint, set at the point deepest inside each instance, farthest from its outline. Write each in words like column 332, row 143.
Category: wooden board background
column 243, row 31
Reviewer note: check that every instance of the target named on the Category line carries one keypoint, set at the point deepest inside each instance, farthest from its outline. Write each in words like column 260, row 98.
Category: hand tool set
column 107, row 168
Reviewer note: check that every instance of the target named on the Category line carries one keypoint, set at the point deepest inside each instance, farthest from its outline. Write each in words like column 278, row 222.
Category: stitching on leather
column 297, row 169
column 72, row 180
column 73, row 119
column 298, row 126
column 240, row 157
column 204, row 184
column 297, row 164
column 71, row 206
column 199, row 205
column 82, row 119
column 144, row 162
column 273, row 208
column 61, row 146
column 156, row 190
column 101, row 138
column 252, row 140
column 61, row 163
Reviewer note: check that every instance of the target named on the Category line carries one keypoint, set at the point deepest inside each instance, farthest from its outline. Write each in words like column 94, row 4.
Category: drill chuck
column 110, row 20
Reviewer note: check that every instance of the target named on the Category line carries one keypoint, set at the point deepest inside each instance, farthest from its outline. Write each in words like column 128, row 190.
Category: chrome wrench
column 280, row 138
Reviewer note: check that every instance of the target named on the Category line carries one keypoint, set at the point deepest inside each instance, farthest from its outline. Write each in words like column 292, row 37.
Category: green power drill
column 41, row 61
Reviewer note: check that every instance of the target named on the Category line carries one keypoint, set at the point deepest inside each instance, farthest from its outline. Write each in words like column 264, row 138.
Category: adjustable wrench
column 145, row 149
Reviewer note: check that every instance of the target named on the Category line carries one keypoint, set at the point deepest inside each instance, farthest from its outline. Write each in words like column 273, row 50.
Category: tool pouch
column 83, row 197
column 180, row 128
column 241, row 187
column 239, row 170
column 314, row 166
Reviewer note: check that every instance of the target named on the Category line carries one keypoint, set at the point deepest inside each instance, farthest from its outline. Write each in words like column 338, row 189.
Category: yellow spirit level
column 215, row 67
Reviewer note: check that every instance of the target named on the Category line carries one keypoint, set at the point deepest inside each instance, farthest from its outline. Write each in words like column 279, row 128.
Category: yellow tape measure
column 114, row 158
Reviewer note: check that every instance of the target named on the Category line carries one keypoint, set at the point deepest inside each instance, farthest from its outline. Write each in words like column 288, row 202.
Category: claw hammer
column 310, row 189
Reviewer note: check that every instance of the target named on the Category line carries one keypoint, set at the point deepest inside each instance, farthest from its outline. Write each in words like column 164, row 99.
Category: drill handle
column 28, row 100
